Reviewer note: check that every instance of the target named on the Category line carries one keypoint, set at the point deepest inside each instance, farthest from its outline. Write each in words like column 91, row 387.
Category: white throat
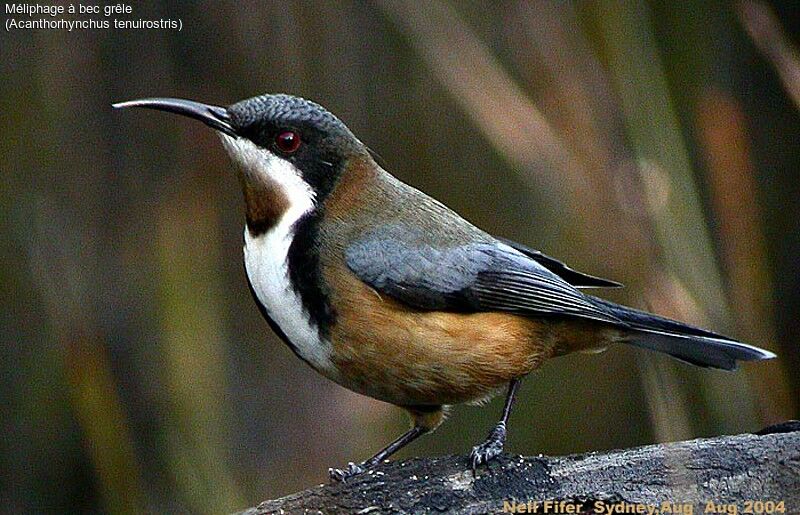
column 266, row 255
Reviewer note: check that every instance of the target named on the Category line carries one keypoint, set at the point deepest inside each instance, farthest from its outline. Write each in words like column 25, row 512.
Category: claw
column 342, row 475
column 490, row 448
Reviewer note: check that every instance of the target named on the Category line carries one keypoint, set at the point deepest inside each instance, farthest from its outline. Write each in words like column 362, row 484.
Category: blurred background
column 654, row 143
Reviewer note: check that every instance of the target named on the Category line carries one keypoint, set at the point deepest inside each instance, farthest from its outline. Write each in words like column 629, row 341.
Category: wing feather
column 573, row 277
column 485, row 276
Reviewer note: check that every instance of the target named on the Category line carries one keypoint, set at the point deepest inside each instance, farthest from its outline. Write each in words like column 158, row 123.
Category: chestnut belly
column 387, row 350
column 431, row 358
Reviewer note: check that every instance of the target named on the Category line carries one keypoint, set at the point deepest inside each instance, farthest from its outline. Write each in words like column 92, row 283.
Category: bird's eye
column 287, row 141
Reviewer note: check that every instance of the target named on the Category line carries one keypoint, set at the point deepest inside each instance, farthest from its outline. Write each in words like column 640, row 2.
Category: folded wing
column 473, row 277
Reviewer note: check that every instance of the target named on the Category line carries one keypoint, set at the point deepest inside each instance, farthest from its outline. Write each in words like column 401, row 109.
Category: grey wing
column 573, row 277
column 472, row 277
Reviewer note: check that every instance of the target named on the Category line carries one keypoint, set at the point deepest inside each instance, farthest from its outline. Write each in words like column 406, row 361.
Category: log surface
column 728, row 471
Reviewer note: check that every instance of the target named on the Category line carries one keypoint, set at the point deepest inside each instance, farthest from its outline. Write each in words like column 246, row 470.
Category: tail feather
column 684, row 342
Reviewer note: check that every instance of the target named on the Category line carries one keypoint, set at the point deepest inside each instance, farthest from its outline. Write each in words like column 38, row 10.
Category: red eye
column 287, row 141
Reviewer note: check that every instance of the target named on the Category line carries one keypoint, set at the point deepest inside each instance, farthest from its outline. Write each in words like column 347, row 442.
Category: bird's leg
column 426, row 419
column 353, row 469
column 493, row 445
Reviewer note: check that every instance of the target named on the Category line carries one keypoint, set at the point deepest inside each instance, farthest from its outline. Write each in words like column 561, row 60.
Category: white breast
column 266, row 255
column 265, row 259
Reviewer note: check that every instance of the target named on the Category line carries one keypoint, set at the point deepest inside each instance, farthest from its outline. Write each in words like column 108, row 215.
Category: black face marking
column 326, row 143
column 305, row 273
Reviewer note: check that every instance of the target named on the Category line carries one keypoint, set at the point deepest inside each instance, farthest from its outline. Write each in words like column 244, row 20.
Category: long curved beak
column 214, row 116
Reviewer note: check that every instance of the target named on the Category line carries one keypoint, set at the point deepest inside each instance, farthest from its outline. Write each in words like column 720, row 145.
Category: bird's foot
column 490, row 448
column 342, row 475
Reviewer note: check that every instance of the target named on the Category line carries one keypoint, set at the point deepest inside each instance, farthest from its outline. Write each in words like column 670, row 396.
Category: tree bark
column 728, row 474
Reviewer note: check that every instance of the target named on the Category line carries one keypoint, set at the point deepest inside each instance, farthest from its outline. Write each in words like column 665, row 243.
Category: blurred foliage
column 651, row 142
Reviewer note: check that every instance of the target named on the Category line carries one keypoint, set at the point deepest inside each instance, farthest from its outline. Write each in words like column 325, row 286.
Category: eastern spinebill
column 389, row 293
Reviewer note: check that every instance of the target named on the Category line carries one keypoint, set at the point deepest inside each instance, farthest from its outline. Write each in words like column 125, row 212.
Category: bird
column 391, row 294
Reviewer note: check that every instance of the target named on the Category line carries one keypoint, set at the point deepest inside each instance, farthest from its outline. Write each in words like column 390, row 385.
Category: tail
column 684, row 342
